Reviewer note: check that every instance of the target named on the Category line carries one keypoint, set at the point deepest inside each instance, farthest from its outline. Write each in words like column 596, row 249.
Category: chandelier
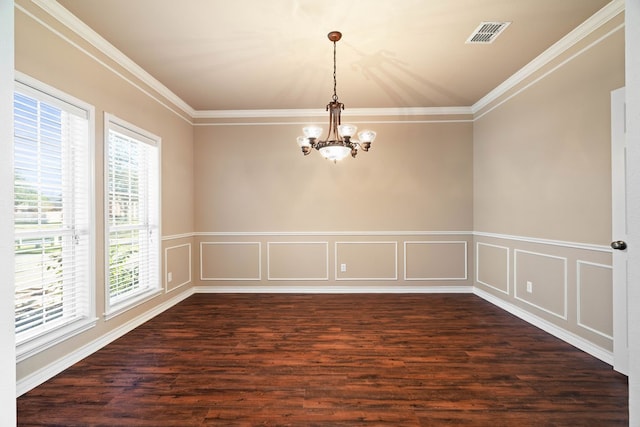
column 340, row 141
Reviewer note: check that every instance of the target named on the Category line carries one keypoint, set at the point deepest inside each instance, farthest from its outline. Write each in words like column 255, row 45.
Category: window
column 53, row 199
column 132, row 215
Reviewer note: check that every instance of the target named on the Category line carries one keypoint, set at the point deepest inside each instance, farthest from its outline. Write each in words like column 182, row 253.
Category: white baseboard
column 566, row 336
column 323, row 289
column 41, row 375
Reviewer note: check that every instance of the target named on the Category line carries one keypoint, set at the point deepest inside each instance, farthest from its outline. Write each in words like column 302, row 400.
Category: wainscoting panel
column 435, row 260
column 557, row 285
column 297, row 261
column 438, row 261
column 492, row 266
column 230, row 261
column 366, row 260
column 541, row 281
column 177, row 266
column 595, row 291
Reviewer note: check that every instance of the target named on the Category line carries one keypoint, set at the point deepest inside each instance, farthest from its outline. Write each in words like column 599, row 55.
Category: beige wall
column 542, row 190
column 48, row 57
column 542, row 159
column 416, row 177
column 267, row 216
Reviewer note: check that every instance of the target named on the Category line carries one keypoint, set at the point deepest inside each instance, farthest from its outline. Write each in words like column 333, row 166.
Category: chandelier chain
column 335, row 94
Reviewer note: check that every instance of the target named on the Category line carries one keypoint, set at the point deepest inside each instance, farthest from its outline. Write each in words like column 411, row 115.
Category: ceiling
column 275, row 54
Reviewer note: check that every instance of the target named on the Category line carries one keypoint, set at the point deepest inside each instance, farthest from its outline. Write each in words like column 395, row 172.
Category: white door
column 619, row 231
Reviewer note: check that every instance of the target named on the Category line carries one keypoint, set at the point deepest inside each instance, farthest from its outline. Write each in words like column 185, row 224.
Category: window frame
column 153, row 289
column 29, row 344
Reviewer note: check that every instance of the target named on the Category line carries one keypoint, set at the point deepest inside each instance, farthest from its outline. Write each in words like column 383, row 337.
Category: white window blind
column 132, row 216
column 52, row 214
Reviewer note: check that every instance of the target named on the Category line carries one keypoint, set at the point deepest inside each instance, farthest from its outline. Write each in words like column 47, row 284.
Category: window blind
column 51, row 213
column 132, row 214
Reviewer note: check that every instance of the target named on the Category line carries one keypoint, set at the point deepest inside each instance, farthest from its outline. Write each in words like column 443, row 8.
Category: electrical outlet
column 169, row 277
column 343, row 267
column 529, row 286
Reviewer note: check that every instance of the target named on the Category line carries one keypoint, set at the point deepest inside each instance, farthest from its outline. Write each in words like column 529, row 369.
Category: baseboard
column 38, row 377
column 566, row 336
column 323, row 289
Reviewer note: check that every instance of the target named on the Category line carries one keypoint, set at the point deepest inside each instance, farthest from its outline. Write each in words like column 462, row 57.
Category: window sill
column 30, row 347
column 127, row 305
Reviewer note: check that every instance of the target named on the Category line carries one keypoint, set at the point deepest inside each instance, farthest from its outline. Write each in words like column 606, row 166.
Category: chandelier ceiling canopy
column 340, row 141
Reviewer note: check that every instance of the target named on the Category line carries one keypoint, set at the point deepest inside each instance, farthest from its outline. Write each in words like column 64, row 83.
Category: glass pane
column 39, row 281
column 124, row 260
column 38, row 157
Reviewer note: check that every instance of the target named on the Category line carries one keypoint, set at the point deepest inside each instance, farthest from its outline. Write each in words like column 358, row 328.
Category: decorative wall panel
column 541, row 281
column 366, row 260
column 492, row 266
column 230, row 261
column 298, row 261
column 177, row 266
column 435, row 260
column 595, row 297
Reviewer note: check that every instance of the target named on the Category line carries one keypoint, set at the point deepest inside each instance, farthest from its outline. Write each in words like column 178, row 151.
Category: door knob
column 619, row 245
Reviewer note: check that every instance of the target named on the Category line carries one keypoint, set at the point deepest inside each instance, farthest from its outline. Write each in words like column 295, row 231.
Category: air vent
column 487, row 32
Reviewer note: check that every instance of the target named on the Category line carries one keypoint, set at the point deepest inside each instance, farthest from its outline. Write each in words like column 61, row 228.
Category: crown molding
column 597, row 20
column 69, row 20
column 57, row 11
column 320, row 112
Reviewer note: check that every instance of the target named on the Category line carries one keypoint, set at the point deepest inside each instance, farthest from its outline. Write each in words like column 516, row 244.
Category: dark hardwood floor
column 324, row 360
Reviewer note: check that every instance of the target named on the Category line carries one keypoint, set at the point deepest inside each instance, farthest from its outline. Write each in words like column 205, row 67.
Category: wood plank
column 283, row 359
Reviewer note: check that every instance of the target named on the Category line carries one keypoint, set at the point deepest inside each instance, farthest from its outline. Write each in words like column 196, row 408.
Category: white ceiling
column 274, row 54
